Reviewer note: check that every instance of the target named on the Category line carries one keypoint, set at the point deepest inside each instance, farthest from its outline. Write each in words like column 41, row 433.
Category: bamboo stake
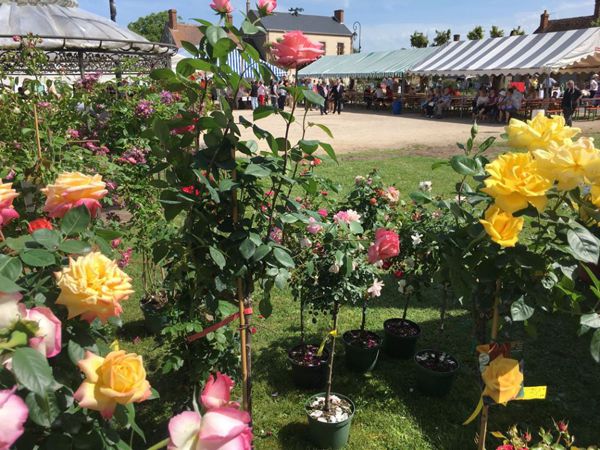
column 485, row 411
column 336, row 308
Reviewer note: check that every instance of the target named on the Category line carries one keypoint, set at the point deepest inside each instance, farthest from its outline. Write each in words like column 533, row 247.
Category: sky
column 386, row 24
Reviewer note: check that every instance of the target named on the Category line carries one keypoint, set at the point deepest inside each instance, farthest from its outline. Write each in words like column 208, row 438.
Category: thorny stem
column 336, row 308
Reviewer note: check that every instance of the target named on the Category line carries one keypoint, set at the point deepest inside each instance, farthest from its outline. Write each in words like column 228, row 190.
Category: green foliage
column 476, row 33
column 151, row 26
column 419, row 40
column 517, row 31
column 496, row 32
column 441, row 37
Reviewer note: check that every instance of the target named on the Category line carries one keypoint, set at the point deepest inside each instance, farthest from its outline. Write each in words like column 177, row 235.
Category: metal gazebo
column 75, row 41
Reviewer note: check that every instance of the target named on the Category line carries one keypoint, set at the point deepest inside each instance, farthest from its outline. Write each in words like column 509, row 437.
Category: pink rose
column 217, row 392
column 323, row 212
column 392, row 194
column 313, row 227
column 295, row 50
column 347, row 217
column 266, row 7
column 48, row 336
column 222, row 6
column 7, row 211
column 221, row 428
column 387, row 245
column 13, row 414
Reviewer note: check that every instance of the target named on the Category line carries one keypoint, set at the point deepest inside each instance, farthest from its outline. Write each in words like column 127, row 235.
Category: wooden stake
column 483, row 422
column 331, row 356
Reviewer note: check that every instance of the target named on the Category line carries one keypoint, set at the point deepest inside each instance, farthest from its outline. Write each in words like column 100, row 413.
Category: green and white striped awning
column 367, row 65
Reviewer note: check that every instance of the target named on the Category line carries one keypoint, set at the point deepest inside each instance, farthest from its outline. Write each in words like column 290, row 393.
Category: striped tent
column 250, row 70
column 367, row 65
column 566, row 51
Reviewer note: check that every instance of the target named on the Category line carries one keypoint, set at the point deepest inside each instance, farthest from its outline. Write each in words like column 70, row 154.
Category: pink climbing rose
column 386, row 246
column 7, row 211
column 217, row 392
column 222, row 6
column 48, row 336
column 295, row 50
column 266, row 7
column 13, row 414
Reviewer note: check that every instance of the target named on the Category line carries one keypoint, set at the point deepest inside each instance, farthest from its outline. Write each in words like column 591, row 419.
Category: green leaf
column 466, row 166
column 420, row 198
column 32, row 370
column 356, row 228
column 76, row 220
column 8, row 286
column 162, row 74
column 247, row 248
column 313, row 97
column 257, row 171
column 72, row 246
column 108, row 235
column 130, row 408
column 283, row 257
column 282, row 278
column 46, row 238
column 262, row 251
column 190, row 48
column 43, row 409
column 265, row 306
column 217, row 257
column 590, row 320
column 439, row 164
column 595, row 346
column 583, row 244
column 309, row 147
column 249, row 28
column 329, row 150
column 262, row 111
column 520, row 311
column 38, row 257
column 18, row 244
column 214, row 34
column 10, row 267
column 322, row 127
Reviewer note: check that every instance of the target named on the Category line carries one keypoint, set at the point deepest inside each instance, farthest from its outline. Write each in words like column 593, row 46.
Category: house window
column 324, row 44
column 340, row 48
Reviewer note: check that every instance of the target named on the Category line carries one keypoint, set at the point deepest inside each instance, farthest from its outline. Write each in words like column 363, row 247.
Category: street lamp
column 357, row 27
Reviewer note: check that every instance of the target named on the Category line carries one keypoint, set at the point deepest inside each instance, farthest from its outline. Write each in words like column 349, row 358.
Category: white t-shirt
column 593, row 85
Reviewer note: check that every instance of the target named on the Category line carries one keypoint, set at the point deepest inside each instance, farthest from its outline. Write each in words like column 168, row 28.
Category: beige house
column 329, row 30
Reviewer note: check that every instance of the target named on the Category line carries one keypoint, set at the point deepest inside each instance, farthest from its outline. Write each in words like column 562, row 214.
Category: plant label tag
column 534, row 393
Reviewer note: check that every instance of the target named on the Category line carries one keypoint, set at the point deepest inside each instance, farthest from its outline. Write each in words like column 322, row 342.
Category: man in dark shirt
column 338, row 97
column 570, row 101
column 254, row 94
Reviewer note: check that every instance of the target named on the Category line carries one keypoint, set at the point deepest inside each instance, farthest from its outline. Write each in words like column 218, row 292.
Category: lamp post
column 113, row 10
column 357, row 27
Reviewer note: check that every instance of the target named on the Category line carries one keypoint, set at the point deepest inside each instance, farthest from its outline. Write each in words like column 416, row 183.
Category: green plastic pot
column 359, row 358
column 433, row 383
column 400, row 346
column 155, row 319
column 329, row 435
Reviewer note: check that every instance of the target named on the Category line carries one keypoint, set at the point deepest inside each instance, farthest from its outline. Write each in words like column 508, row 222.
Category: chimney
column 456, row 37
column 247, row 7
column 597, row 10
column 544, row 20
column 338, row 15
column 172, row 19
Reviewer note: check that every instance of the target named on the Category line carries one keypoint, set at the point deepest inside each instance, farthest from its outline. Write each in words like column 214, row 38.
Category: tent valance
column 566, row 51
column 367, row 65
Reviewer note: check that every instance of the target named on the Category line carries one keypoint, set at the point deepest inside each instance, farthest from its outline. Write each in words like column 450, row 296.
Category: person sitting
column 389, row 94
column 444, row 102
column 504, row 102
column 368, row 96
column 379, row 96
column 491, row 109
column 480, row 103
column 431, row 103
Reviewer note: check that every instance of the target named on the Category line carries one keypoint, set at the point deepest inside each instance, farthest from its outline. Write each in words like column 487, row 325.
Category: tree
column 441, row 38
column 150, row 26
column 517, row 31
column 496, row 32
column 476, row 33
column 419, row 40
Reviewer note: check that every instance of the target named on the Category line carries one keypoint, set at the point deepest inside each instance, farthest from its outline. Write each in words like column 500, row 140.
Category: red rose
column 505, row 447
column 39, row 224
column 373, row 201
column 562, row 426
column 398, row 274
column 387, row 245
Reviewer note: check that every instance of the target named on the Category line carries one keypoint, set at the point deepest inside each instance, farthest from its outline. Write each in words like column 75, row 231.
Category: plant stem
column 336, row 308
column 363, row 322
column 302, row 321
column 159, row 445
column 406, row 306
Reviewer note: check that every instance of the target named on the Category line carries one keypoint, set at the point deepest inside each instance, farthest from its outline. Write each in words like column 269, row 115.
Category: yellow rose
column 539, row 133
column 595, row 195
column 503, row 379
column 93, row 286
column 502, row 227
column 74, row 189
column 568, row 163
column 118, row 378
column 515, row 181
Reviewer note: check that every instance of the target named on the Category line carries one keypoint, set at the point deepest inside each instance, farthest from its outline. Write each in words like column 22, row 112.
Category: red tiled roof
column 571, row 23
column 184, row 32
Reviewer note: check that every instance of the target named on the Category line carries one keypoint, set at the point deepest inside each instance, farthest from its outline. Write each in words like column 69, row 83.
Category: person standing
column 262, row 94
column 282, row 92
column 273, row 88
column 570, row 101
column 254, row 95
column 594, row 86
column 338, row 97
column 322, row 91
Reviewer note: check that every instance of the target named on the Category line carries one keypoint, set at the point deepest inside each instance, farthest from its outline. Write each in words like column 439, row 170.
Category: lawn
column 390, row 413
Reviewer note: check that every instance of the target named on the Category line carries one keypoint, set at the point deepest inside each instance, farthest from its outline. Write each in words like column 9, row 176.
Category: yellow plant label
column 534, row 393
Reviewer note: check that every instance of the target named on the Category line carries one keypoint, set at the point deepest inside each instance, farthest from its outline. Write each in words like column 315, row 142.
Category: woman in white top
column 481, row 103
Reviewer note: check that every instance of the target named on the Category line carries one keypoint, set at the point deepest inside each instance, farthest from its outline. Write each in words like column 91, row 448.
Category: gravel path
column 359, row 131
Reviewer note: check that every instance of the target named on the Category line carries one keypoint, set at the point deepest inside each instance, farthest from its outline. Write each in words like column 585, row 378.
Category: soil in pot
column 309, row 370
column 401, row 337
column 329, row 429
column 362, row 349
column 436, row 372
column 154, row 308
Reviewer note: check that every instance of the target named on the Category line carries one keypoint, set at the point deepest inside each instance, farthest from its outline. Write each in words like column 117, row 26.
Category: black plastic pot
column 396, row 345
column 358, row 357
column 329, row 435
column 435, row 383
column 155, row 317
column 309, row 376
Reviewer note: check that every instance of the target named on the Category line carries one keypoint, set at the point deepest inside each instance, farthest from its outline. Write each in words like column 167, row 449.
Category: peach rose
column 74, row 189
column 93, row 286
column 120, row 378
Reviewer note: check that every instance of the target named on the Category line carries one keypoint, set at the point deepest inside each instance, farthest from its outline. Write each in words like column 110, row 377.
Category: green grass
column 390, row 413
